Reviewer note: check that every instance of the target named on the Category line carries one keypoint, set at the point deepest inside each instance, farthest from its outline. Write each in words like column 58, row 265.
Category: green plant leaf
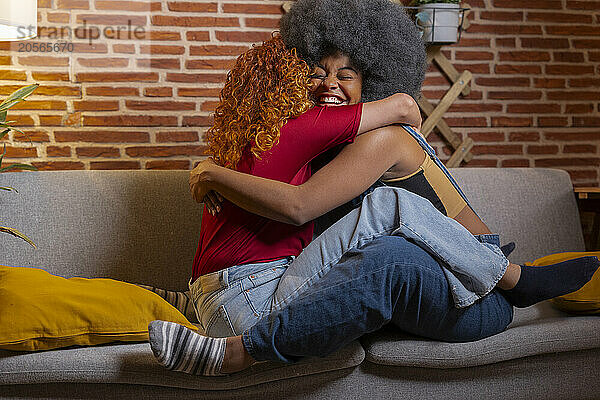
column 18, row 166
column 2, row 116
column 9, row 189
column 14, row 166
column 8, row 105
column 16, row 233
column 19, row 94
column 17, row 130
column 4, row 133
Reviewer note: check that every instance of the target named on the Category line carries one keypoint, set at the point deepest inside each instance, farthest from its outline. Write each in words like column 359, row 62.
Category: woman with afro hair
column 266, row 125
column 352, row 280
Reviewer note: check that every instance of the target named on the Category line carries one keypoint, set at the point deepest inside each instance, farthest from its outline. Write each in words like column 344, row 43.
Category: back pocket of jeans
column 219, row 325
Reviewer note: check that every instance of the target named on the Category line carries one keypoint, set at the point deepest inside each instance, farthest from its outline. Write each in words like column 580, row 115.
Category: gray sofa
column 142, row 226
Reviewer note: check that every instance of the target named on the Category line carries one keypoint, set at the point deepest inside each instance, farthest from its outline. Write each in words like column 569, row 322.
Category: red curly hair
column 267, row 86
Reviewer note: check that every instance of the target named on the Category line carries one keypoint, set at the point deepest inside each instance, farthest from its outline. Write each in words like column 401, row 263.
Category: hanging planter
column 439, row 22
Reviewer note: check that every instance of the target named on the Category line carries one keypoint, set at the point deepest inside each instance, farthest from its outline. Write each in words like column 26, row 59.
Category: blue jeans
column 387, row 280
column 231, row 300
column 473, row 267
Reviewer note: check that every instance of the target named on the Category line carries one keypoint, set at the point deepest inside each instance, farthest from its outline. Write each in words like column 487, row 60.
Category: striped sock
column 178, row 348
column 180, row 300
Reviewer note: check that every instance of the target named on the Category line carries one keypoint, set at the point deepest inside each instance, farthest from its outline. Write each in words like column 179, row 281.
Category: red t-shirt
column 235, row 236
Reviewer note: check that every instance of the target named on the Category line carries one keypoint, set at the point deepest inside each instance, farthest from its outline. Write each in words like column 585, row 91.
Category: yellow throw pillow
column 584, row 301
column 40, row 311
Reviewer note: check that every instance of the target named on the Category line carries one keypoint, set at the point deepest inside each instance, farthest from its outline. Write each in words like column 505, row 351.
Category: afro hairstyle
column 377, row 35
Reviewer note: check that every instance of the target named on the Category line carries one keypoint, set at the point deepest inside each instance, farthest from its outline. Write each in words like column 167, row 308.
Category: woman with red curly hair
column 267, row 86
column 266, row 125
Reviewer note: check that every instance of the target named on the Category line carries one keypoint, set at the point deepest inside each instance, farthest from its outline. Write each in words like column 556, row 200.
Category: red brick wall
column 142, row 98
column 536, row 85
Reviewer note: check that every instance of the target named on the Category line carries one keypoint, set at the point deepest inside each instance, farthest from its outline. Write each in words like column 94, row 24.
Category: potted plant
column 438, row 20
column 5, row 127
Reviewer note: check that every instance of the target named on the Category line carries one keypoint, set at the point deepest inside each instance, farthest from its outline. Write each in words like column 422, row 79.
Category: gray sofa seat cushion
column 538, row 329
column 135, row 364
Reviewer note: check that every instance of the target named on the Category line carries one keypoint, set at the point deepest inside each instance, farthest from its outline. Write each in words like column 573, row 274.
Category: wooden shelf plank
column 443, row 128
column 587, row 193
column 446, row 101
column 447, row 67
column 460, row 153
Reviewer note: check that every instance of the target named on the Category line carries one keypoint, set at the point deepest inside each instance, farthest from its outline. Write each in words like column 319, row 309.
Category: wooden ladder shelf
column 461, row 84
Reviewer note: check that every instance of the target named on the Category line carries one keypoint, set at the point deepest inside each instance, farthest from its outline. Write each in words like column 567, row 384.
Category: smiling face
column 335, row 82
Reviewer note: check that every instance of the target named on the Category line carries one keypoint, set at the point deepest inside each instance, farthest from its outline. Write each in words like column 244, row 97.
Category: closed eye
column 347, row 73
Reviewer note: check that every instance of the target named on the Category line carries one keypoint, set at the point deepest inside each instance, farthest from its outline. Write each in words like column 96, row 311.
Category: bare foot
column 511, row 277
column 236, row 357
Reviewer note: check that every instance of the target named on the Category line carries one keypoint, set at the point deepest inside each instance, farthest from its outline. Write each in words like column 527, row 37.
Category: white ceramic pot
column 439, row 22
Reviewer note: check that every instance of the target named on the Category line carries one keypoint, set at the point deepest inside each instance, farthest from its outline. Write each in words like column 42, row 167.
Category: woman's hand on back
column 355, row 169
column 200, row 186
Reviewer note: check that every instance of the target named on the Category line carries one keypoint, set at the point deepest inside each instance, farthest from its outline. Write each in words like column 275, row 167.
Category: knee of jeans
column 507, row 310
column 385, row 249
column 494, row 319
column 499, row 321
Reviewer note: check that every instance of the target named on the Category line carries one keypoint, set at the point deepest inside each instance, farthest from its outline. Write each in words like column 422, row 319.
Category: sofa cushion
column 583, row 301
column 538, row 329
column 135, row 364
column 40, row 311
column 134, row 226
column 533, row 207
